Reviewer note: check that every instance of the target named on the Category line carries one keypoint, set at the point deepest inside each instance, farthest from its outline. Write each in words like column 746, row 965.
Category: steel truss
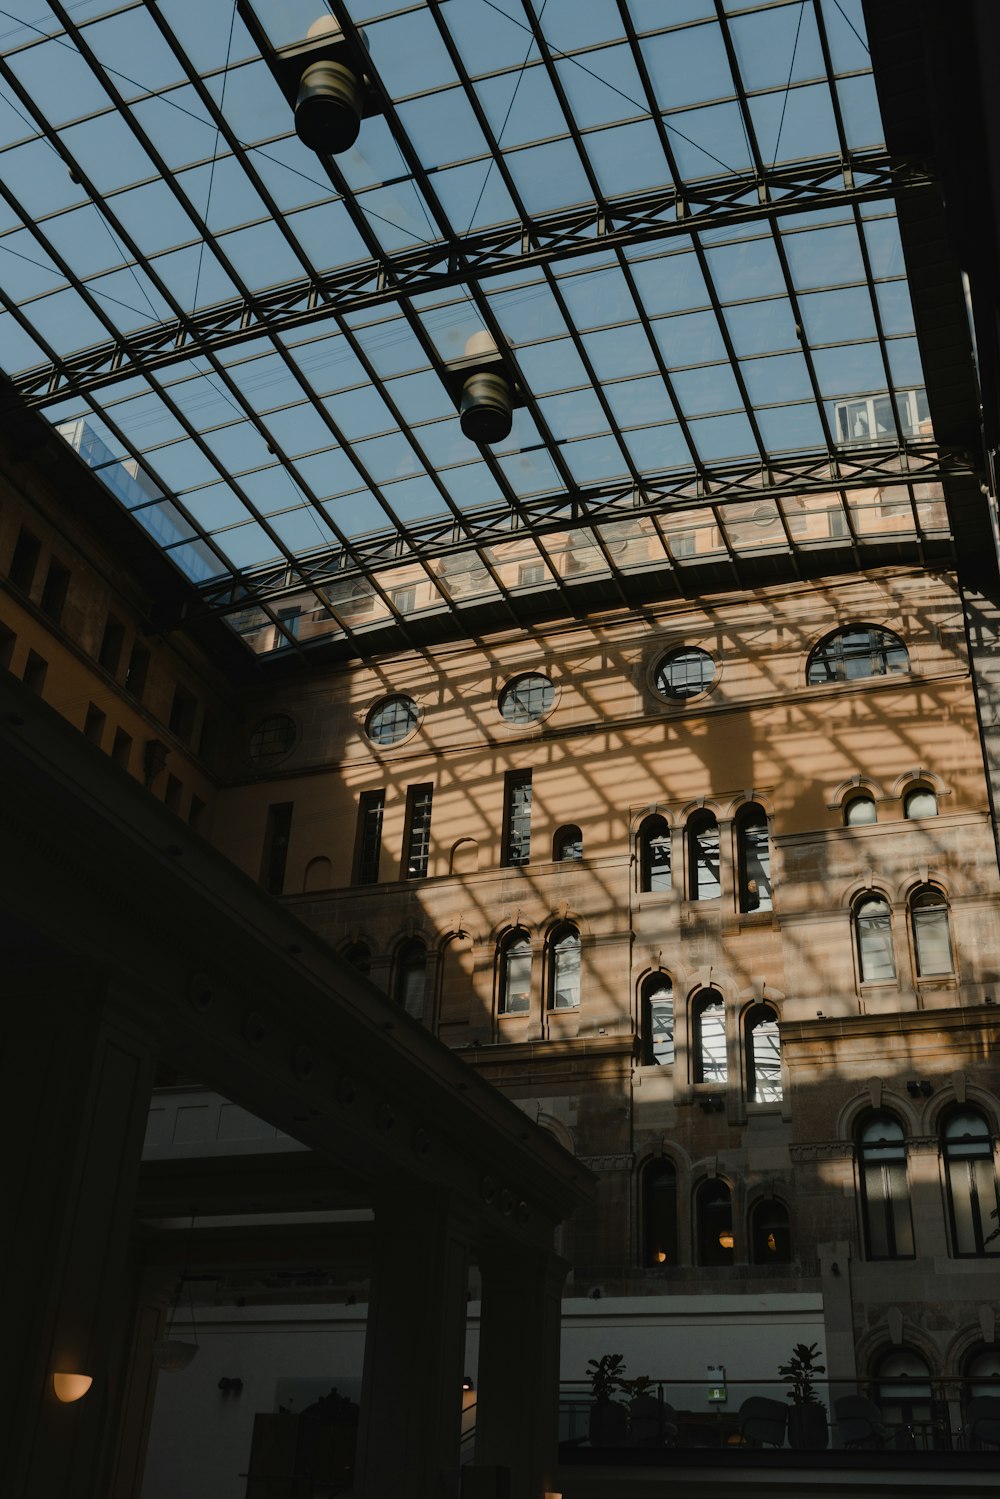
column 428, row 268
column 664, row 496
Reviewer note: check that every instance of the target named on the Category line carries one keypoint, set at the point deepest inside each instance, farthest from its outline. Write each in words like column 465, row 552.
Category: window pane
column 705, row 861
column 518, row 830
column 715, row 1224
column 755, row 865
column 860, row 810
column 875, row 942
column 526, row 699
column 931, row 938
column 765, row 1059
column 566, row 973
column 655, row 856
column 921, row 803
column 712, row 1066
column 517, row 978
column 658, row 1024
column 660, row 1183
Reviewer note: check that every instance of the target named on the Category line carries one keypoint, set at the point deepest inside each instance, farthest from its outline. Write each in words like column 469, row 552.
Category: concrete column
column 517, row 1411
column 411, row 1395
column 75, row 1081
column 838, row 1318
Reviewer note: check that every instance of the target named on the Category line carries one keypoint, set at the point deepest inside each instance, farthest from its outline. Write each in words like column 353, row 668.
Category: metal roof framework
column 692, row 349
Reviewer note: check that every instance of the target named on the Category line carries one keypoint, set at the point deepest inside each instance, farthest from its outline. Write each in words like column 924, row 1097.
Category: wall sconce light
column 467, row 1382
column 920, row 1089
column 71, row 1387
column 661, row 1257
column 325, row 80
column 712, row 1104
column 726, row 1238
column 484, row 389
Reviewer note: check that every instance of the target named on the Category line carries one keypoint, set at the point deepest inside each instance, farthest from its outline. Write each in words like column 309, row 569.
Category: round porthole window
column 526, row 699
column 685, row 673
column 271, row 740
column 391, row 720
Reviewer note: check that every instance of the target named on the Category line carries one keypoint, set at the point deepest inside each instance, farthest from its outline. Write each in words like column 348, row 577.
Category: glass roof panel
column 660, row 343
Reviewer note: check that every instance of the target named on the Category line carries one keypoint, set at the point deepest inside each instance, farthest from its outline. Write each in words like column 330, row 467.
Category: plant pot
column 608, row 1424
column 644, row 1422
column 807, row 1428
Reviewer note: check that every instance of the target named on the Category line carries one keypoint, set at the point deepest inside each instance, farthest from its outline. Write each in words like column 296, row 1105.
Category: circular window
column 391, row 720
column 685, row 673
column 271, row 740
column 526, row 699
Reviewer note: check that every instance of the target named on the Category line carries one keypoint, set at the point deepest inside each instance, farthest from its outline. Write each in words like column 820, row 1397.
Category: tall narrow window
column 931, row 938
column 754, row 859
column 138, row 669
column 763, row 1053
column 418, row 831
column 657, row 1021
column 972, row 1185
column 276, row 837
column 515, row 974
column 873, row 928
column 411, row 978
column 93, row 724
column 182, row 714
column 54, row 591
column 24, row 561
column 112, row 642
column 885, row 1194
column 654, row 855
column 35, row 668
column 517, row 817
column 659, row 1213
column 369, row 841
column 708, row 1038
column 713, row 1211
column 564, row 959
column 703, row 857
column 770, row 1238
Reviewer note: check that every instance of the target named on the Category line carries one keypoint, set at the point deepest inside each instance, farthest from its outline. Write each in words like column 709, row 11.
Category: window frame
column 517, row 807
column 918, row 901
column 417, row 831
column 872, row 898
column 982, row 1231
column 859, row 799
column 881, row 643
column 749, row 819
column 564, row 940
column 568, row 836
column 654, row 828
column 873, row 1158
column 368, row 837
column 703, row 820
column 777, row 1208
column 656, row 986
column 515, row 944
column 659, row 1171
column 404, row 967
column 704, row 1236
column 750, row 1025
column 702, row 1002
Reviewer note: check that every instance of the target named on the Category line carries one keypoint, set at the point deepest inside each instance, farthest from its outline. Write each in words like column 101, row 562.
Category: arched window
column 713, row 1212
column 654, row 855
column 703, row 857
column 411, row 977
column 359, row 955
column 564, row 969
column 885, row 1193
column 763, row 1053
column 659, row 1213
column 515, row 974
column 567, row 844
column 859, row 810
column 754, row 858
column 657, row 1021
column 904, row 1396
column 708, row 1038
column 920, row 802
column 873, row 930
column 931, row 937
column 972, row 1184
column 982, row 1373
column 770, row 1237
column 859, row 651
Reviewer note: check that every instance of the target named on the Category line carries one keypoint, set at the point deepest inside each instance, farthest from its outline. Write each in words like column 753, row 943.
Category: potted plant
column 644, row 1412
column 608, row 1417
column 807, row 1420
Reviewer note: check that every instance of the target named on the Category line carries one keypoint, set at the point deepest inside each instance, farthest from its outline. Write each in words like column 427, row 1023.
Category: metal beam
column 725, row 202
column 663, row 496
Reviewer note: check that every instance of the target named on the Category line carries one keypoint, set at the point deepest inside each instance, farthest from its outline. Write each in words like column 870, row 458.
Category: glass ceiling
column 676, row 216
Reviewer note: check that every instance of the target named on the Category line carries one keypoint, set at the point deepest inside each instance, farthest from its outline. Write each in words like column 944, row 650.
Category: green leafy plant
column 607, row 1375
column 800, row 1372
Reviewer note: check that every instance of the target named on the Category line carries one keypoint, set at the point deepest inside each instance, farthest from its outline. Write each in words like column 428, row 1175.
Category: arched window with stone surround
column 920, row 801
column 708, row 1038
column 659, row 1212
column 703, row 856
column 770, row 1235
column 754, row 858
column 515, row 973
column 970, row 1174
column 713, row 1216
column 411, row 977
column 873, row 933
column 564, row 969
column 885, row 1191
column 763, row 1054
column 654, row 855
column 929, row 924
column 657, row 1021
column 567, row 844
column 860, row 810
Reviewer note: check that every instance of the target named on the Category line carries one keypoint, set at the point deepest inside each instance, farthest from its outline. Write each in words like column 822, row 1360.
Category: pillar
column 517, row 1419
column 75, row 1080
column 411, row 1394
